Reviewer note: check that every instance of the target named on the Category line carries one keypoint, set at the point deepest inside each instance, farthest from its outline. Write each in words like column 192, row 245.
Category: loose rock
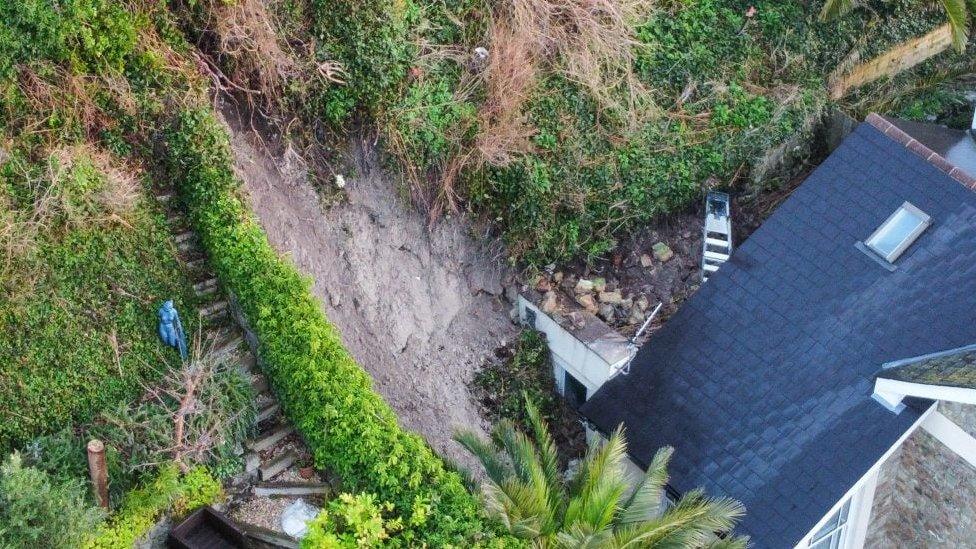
column 588, row 303
column 662, row 252
column 599, row 284
column 549, row 302
column 613, row 298
column 584, row 286
column 606, row 312
column 646, row 261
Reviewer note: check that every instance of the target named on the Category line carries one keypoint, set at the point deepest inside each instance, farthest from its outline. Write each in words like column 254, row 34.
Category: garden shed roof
column 763, row 379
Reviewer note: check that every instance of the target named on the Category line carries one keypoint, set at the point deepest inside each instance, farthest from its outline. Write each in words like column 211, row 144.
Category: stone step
column 252, row 462
column 196, row 263
column 213, row 310
column 206, row 287
column 187, row 246
column 227, row 345
column 248, row 362
column 270, row 439
column 270, row 537
column 281, row 462
column 267, row 412
column 259, row 383
column 291, row 489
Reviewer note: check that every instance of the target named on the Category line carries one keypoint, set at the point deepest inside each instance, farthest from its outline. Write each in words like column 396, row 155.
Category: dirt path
column 418, row 310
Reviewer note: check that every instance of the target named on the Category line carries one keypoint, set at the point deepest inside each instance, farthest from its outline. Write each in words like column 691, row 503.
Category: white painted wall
column 590, row 366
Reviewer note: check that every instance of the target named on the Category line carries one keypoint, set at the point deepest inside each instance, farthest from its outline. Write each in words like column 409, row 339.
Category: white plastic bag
column 295, row 518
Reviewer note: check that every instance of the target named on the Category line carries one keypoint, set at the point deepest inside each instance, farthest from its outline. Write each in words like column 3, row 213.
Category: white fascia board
column 890, row 393
column 953, row 436
column 867, row 477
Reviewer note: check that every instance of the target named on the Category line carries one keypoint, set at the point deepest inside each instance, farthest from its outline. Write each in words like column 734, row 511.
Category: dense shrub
column 39, row 511
column 86, row 264
column 87, row 34
column 372, row 41
column 328, row 397
column 352, row 521
column 525, row 375
column 143, row 506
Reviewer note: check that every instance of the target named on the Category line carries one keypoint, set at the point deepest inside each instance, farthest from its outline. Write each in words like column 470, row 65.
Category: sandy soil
column 417, row 308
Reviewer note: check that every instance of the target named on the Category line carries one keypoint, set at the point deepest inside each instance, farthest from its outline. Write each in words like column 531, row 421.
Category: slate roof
column 762, row 380
column 955, row 368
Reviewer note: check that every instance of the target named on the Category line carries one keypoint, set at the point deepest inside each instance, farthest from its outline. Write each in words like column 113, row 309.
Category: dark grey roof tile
column 762, row 380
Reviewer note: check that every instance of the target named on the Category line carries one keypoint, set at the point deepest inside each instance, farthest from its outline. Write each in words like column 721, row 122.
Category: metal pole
column 98, row 471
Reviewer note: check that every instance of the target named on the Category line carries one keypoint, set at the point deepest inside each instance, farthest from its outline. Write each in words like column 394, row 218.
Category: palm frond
column 580, row 536
column 958, row 14
column 487, row 453
column 645, row 501
column 835, row 8
column 548, row 458
column 691, row 522
column 731, row 542
column 602, row 485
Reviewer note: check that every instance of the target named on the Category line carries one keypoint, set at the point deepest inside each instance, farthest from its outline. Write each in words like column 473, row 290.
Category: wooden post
column 902, row 57
column 98, row 471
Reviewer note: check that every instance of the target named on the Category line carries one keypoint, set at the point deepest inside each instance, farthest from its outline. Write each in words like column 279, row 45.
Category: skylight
column 898, row 232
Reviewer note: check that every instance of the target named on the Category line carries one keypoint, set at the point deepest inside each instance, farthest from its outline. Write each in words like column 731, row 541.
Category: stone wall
column 926, row 494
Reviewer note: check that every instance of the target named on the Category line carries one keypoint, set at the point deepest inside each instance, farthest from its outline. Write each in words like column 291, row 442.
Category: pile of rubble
column 606, row 297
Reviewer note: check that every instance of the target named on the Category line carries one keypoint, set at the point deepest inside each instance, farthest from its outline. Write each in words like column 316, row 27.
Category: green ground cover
column 77, row 314
column 722, row 83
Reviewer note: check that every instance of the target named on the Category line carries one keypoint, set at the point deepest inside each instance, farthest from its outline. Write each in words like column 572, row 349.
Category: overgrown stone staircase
column 272, row 477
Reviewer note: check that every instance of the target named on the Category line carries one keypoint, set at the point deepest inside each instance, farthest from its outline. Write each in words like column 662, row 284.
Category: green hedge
column 349, row 428
column 143, row 506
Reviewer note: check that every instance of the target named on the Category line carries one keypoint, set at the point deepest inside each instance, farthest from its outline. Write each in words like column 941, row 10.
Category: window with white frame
column 897, row 233
column 834, row 533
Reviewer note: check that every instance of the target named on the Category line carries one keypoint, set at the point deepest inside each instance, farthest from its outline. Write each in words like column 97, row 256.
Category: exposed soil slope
column 417, row 308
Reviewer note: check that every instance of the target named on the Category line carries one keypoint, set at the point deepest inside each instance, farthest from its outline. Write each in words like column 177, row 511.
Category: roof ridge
column 899, row 136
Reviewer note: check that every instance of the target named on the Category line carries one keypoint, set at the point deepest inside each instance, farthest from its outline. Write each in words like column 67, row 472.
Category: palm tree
column 956, row 10
column 595, row 506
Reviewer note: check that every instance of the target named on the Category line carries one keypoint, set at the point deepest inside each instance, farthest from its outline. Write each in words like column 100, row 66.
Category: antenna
column 632, row 343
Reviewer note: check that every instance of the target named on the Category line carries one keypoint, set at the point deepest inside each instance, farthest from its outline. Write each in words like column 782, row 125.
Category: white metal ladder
column 717, row 238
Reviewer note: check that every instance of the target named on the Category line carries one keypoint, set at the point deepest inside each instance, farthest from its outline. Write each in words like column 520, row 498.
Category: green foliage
column 327, row 396
column 526, row 376
column 39, row 511
column 88, row 35
column 596, row 505
column 353, row 521
column 143, row 506
column 79, row 299
column 371, row 39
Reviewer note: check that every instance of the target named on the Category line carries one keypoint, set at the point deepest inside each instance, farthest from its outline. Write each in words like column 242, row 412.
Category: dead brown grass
column 70, row 97
column 512, row 75
column 591, row 42
column 254, row 58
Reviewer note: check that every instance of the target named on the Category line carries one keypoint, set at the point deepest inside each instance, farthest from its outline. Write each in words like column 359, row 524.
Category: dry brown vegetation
column 591, row 42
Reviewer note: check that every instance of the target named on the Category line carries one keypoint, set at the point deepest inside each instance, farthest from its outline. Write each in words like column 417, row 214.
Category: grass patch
column 87, row 262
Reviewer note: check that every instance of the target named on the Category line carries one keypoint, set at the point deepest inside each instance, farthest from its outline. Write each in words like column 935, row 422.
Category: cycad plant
column 595, row 506
column 956, row 10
